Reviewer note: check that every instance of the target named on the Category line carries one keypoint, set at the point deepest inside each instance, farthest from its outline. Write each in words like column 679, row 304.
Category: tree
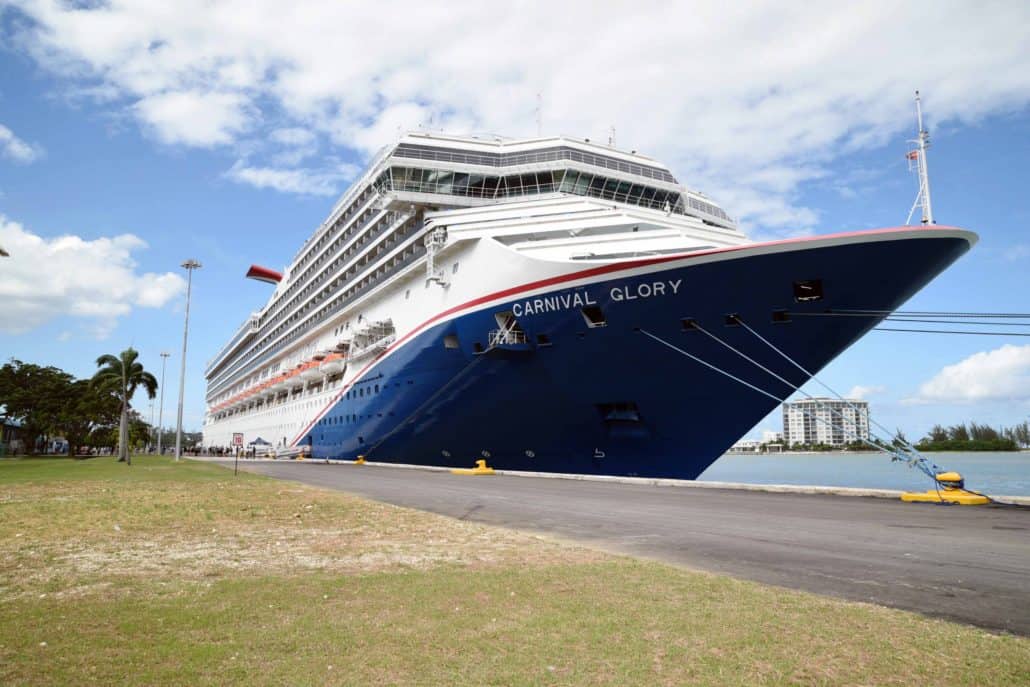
column 122, row 375
column 1022, row 434
column 899, row 440
column 87, row 411
column 978, row 432
column 958, row 433
column 34, row 396
column 139, row 430
column 937, row 433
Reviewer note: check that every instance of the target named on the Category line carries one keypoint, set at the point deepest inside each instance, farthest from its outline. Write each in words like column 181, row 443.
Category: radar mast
column 918, row 157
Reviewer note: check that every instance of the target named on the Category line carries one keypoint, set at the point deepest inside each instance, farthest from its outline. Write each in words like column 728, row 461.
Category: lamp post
column 161, row 403
column 189, row 266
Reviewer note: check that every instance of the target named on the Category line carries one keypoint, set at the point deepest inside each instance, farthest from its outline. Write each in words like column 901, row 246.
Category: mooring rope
column 909, row 456
column 715, row 368
column 946, row 331
column 912, row 456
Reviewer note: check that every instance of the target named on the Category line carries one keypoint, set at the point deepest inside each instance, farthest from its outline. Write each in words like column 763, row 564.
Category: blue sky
column 134, row 136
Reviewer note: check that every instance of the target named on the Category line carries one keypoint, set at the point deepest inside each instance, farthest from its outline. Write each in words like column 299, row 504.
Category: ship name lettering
column 565, row 301
column 645, row 290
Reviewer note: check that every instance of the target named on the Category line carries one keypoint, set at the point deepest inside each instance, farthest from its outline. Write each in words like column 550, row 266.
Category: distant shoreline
column 865, row 453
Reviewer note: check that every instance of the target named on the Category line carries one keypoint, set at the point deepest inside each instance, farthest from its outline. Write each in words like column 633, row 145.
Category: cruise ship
column 546, row 304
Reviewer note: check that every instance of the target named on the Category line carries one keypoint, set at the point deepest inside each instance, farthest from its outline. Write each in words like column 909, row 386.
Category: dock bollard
column 480, row 469
column 952, row 491
column 360, row 460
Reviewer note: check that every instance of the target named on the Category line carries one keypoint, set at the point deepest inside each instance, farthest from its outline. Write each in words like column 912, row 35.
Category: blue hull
column 610, row 400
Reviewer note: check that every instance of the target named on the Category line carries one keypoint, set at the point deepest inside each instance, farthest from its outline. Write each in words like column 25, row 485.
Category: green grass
column 144, row 469
column 181, row 574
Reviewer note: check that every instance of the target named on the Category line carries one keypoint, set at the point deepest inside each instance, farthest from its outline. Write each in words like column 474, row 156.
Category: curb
column 663, row 482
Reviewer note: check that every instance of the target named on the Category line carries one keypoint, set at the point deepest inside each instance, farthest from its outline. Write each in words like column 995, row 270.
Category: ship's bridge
column 462, row 171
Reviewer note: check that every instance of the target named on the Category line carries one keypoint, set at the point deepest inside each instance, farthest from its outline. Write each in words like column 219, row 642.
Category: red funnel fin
column 264, row 274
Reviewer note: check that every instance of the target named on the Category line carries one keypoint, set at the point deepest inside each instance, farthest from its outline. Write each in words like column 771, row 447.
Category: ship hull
column 610, row 399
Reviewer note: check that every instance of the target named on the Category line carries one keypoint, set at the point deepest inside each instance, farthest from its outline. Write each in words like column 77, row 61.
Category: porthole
column 530, row 454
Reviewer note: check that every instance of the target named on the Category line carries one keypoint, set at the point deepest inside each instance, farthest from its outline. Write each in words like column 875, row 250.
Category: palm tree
column 121, row 375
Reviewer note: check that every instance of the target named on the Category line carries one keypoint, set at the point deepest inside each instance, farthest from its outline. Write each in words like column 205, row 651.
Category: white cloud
column 194, row 118
column 16, row 149
column 303, row 181
column 1001, row 374
column 1018, row 252
column 749, row 103
column 864, row 392
column 95, row 281
column 292, row 136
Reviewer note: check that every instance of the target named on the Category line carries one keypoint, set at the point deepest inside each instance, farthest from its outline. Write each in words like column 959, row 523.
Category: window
column 454, row 268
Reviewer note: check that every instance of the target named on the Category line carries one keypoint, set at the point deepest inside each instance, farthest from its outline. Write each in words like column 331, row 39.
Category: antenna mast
column 919, row 157
column 539, row 115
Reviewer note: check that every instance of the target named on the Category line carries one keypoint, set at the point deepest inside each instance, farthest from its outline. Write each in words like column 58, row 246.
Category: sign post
column 237, row 442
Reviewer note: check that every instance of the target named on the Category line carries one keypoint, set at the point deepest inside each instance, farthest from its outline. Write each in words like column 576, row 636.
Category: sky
column 135, row 135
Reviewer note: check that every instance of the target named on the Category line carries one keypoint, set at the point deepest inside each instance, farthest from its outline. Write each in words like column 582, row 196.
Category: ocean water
column 1006, row 473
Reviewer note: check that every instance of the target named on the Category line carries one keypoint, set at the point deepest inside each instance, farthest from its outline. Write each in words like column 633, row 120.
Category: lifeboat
column 332, row 366
column 310, row 374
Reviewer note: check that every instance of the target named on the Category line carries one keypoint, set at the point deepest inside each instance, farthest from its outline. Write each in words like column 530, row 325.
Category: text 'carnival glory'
column 547, row 304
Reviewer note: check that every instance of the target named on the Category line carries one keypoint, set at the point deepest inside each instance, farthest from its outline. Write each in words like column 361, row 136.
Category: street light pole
column 189, row 266
column 161, row 403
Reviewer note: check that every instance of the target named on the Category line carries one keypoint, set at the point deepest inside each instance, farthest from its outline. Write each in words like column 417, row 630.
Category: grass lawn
column 183, row 574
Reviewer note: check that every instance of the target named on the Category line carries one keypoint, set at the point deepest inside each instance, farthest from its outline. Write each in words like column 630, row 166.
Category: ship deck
column 968, row 564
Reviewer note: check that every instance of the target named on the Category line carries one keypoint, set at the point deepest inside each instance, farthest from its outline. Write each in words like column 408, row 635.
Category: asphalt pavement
column 965, row 563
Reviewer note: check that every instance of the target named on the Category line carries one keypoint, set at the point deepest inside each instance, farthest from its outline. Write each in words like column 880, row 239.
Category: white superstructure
column 435, row 223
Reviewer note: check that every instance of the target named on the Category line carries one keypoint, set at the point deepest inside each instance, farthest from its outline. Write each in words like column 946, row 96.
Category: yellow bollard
column 951, row 491
column 480, row 469
column 360, row 460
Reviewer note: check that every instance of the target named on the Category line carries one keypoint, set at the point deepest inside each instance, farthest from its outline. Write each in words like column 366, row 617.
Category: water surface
column 1005, row 473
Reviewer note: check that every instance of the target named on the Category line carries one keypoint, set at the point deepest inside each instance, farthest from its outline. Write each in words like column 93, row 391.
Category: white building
column 746, row 446
column 827, row 421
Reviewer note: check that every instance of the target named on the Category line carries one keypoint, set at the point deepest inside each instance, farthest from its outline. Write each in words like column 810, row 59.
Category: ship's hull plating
column 611, row 400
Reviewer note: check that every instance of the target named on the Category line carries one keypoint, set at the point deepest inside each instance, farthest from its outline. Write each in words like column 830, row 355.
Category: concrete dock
column 965, row 563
